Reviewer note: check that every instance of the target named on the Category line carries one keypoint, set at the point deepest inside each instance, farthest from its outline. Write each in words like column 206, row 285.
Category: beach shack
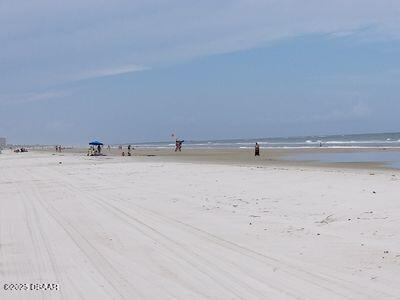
column 95, row 148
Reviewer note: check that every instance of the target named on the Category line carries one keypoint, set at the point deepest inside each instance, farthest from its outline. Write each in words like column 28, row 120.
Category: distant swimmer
column 257, row 150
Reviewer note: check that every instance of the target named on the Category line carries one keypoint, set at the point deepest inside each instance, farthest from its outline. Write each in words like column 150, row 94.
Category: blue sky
column 79, row 70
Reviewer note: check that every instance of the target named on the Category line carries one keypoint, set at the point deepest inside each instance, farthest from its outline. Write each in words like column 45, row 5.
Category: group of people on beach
column 94, row 151
column 129, row 150
column 20, row 150
column 59, row 148
column 178, row 148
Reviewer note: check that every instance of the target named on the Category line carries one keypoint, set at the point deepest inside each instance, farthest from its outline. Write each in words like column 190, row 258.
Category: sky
column 136, row 71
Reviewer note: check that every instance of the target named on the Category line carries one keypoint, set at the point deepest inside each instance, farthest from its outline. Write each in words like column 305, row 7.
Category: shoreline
column 269, row 157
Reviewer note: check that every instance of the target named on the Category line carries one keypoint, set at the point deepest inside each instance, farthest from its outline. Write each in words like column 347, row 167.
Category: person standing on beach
column 257, row 150
column 178, row 145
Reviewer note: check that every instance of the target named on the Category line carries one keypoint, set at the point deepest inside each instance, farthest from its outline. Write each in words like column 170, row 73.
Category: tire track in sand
column 339, row 289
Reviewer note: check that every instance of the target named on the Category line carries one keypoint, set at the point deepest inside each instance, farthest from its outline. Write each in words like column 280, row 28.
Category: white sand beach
column 130, row 228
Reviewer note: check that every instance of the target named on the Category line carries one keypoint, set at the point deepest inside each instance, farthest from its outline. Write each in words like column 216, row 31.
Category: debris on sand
column 327, row 220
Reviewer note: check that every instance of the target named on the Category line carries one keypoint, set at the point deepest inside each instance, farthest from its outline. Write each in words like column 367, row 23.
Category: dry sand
column 153, row 228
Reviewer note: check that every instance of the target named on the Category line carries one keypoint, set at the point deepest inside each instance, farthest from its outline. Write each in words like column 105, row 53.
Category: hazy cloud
column 109, row 72
column 33, row 97
column 356, row 111
column 48, row 42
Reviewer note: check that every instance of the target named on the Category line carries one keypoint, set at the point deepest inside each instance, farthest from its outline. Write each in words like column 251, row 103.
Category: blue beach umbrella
column 96, row 143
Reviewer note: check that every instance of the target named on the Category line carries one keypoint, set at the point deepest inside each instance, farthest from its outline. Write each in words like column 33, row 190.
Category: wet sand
column 268, row 157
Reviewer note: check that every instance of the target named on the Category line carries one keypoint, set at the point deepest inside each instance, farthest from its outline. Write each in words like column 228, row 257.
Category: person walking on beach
column 178, row 145
column 257, row 150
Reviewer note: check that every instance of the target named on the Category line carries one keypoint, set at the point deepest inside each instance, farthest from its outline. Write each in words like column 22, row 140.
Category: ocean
column 370, row 144
column 374, row 140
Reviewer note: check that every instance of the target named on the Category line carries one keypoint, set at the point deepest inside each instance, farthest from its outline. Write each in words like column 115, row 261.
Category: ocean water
column 372, row 146
column 380, row 140
column 388, row 158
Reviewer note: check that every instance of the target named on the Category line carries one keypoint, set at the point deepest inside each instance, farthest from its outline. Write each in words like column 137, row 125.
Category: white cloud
column 33, row 97
column 361, row 110
column 358, row 110
column 50, row 41
column 109, row 72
